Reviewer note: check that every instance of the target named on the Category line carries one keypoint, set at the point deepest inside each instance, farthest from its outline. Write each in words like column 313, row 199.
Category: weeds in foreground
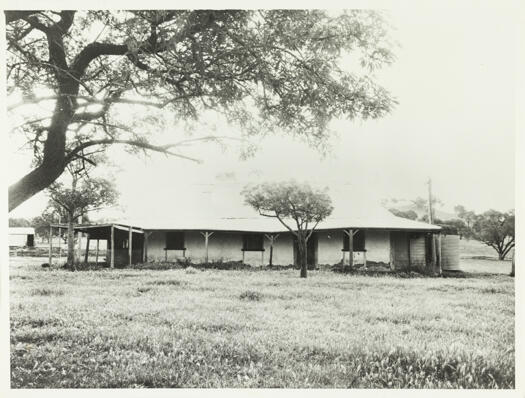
column 47, row 292
column 250, row 296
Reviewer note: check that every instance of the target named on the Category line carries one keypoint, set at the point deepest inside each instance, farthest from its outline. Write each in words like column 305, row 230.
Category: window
column 253, row 242
column 175, row 240
column 359, row 241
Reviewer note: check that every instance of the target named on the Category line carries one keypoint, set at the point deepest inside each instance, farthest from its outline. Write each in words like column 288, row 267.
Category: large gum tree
column 262, row 70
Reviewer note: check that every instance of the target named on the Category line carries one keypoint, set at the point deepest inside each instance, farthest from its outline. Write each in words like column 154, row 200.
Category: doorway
column 311, row 251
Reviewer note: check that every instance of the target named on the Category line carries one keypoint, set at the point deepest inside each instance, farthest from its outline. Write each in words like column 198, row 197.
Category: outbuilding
column 21, row 237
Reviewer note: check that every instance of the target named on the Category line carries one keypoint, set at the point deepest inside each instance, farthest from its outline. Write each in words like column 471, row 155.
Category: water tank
column 450, row 253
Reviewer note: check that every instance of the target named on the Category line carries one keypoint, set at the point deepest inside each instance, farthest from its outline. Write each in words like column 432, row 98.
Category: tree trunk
column 54, row 151
column 512, row 270
column 301, row 247
column 32, row 183
column 70, row 243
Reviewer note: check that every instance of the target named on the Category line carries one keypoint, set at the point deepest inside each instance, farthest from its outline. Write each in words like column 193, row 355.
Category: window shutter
column 175, row 240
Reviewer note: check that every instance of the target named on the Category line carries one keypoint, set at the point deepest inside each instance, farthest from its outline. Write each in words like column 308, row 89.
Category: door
column 400, row 242
column 311, row 251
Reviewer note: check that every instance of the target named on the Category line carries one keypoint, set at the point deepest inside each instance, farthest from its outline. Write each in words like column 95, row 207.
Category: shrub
column 166, row 282
column 157, row 266
column 184, row 262
column 250, row 295
column 47, row 292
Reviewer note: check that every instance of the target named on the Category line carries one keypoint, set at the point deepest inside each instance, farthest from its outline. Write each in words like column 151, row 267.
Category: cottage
column 367, row 238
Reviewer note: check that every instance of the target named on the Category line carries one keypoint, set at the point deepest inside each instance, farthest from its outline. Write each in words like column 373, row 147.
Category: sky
column 454, row 78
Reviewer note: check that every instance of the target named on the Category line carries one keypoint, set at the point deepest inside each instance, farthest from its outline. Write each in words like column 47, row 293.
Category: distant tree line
column 494, row 228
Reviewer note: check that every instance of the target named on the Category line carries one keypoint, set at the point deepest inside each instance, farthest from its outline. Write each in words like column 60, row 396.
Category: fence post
column 50, row 245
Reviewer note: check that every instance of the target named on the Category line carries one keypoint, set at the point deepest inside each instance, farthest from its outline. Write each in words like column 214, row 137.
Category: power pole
column 59, row 238
column 433, row 237
column 79, row 243
column 430, row 210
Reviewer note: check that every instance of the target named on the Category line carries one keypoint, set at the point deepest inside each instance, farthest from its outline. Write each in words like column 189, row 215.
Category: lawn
column 471, row 248
column 193, row 328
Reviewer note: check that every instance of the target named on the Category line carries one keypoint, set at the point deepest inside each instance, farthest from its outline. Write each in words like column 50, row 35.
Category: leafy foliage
column 467, row 216
column 496, row 229
column 263, row 70
column 421, row 204
column 455, row 227
column 41, row 223
column 291, row 201
column 251, row 295
column 19, row 222
column 410, row 214
column 413, row 209
column 91, row 194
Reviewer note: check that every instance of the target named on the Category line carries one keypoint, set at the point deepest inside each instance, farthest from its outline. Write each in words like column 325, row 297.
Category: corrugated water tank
column 450, row 253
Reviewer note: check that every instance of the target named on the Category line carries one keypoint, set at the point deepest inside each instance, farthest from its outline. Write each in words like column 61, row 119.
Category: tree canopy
column 410, row 214
column 19, row 222
column 467, row 216
column 497, row 230
column 86, row 194
column 263, row 70
column 89, row 195
column 291, row 203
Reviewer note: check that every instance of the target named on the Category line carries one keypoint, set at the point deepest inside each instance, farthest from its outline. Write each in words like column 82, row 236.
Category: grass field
column 471, row 248
column 192, row 328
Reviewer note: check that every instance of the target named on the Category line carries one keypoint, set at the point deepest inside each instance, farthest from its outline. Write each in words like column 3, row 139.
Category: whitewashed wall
column 377, row 244
column 224, row 246
column 282, row 250
column 330, row 245
column 17, row 240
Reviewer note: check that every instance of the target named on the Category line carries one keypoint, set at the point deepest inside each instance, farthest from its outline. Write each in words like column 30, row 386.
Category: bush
column 250, row 295
column 184, row 262
column 47, row 292
column 168, row 282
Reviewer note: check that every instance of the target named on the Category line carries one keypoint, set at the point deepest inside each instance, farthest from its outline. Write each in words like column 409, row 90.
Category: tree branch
column 312, row 230
column 141, row 144
column 289, row 229
column 12, row 16
column 95, row 50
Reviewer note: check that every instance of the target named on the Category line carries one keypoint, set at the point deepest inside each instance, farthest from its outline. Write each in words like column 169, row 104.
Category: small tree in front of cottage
column 291, row 202
column 85, row 194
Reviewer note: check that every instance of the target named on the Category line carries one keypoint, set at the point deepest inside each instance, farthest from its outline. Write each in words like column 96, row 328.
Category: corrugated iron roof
column 225, row 211
column 21, row 231
column 378, row 220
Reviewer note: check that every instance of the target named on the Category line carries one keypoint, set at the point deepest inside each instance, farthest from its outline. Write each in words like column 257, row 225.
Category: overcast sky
column 454, row 78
